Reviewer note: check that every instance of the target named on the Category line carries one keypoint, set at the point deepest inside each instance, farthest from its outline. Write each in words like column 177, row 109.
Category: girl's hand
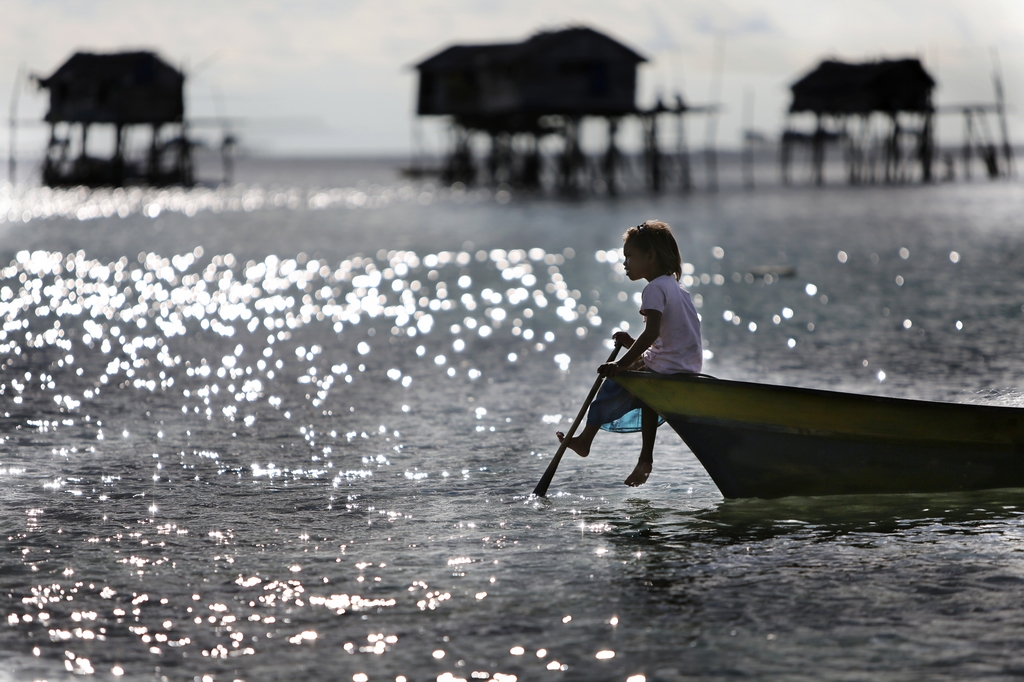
column 609, row 369
column 623, row 339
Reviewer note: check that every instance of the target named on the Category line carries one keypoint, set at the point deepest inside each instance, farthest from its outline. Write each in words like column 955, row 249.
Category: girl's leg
column 611, row 403
column 649, row 432
column 581, row 444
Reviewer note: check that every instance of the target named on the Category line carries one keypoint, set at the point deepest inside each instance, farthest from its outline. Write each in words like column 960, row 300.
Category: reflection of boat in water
column 767, row 441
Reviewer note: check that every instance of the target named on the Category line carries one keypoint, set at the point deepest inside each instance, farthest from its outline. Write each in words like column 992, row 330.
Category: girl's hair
column 656, row 236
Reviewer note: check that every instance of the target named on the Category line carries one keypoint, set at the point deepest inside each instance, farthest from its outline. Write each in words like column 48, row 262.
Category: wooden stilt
column 926, row 147
column 682, row 150
column 610, row 162
column 571, row 161
column 968, row 142
column 785, row 154
column 652, row 153
column 748, row 139
column 818, row 151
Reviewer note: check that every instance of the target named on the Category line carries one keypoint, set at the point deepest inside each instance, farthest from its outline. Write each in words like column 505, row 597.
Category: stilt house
column 844, row 98
column 544, row 85
column 837, row 88
column 129, row 91
column 574, row 72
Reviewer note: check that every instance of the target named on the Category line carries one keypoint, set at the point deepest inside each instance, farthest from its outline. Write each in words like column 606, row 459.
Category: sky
column 333, row 78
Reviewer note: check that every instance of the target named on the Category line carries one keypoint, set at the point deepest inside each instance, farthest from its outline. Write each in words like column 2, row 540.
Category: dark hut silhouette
column 843, row 99
column 574, row 72
column 887, row 86
column 126, row 90
column 543, row 85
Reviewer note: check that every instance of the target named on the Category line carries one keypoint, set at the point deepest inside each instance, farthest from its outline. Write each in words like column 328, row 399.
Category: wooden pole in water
column 542, row 487
column 818, row 152
column 682, row 152
column 968, row 142
column 611, row 157
column 653, row 153
column 748, row 138
column 711, row 129
column 997, row 83
column 927, row 147
column 12, row 160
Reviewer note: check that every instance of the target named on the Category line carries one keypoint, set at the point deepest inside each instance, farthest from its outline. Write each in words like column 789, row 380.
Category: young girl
column 670, row 343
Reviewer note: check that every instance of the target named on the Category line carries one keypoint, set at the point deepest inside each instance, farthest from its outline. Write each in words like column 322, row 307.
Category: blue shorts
column 616, row 409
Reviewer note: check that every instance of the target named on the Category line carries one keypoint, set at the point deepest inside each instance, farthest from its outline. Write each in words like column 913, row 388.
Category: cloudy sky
column 323, row 77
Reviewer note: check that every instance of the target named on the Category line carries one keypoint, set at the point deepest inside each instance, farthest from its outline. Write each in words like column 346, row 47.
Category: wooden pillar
column 785, row 155
column 652, row 160
column 80, row 172
column 492, row 160
column 503, row 161
column 748, row 139
column 610, row 163
column 531, row 162
column 499, row 161
column 1001, row 114
column 459, row 165
column 991, row 158
column 818, row 152
column 571, row 159
column 865, row 153
column 852, row 144
column 118, row 161
column 153, row 160
column 871, row 160
column 682, row 149
column 968, row 142
column 711, row 162
column 986, row 146
column 897, row 148
column 12, row 160
column 227, row 157
column 50, row 165
column 926, row 147
column 891, row 152
column 748, row 160
column 184, row 157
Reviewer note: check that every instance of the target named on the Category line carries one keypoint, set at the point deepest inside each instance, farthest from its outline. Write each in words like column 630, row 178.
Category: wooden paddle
column 542, row 488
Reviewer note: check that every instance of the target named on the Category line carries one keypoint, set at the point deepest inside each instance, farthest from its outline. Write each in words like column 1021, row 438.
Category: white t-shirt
column 678, row 347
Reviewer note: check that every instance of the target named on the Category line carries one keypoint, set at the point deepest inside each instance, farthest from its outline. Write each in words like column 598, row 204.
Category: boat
column 766, row 441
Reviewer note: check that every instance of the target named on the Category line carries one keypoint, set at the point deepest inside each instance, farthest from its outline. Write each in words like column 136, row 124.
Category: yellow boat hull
column 758, row 440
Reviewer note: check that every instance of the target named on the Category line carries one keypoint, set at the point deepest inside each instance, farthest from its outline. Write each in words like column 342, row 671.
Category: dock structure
column 979, row 140
column 517, row 94
column 881, row 113
column 140, row 97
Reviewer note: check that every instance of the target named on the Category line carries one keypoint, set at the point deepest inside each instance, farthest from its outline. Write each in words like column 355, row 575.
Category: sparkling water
column 289, row 430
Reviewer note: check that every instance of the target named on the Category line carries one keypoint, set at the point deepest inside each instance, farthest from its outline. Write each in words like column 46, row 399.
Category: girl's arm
column 649, row 335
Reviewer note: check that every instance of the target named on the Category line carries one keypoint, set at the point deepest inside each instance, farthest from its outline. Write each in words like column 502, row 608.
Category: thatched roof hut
column 573, row 72
column 885, row 86
column 122, row 88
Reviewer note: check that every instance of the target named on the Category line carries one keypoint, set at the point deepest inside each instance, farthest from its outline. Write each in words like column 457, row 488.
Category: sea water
column 288, row 429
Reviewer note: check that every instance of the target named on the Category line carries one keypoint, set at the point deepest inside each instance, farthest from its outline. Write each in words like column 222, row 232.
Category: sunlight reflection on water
column 24, row 203
column 225, row 342
column 300, row 465
column 132, row 313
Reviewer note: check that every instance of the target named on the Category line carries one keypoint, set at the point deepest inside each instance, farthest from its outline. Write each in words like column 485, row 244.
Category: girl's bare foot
column 579, row 444
column 640, row 473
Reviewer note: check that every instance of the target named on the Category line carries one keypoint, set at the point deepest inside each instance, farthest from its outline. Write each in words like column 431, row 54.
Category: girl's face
column 639, row 264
